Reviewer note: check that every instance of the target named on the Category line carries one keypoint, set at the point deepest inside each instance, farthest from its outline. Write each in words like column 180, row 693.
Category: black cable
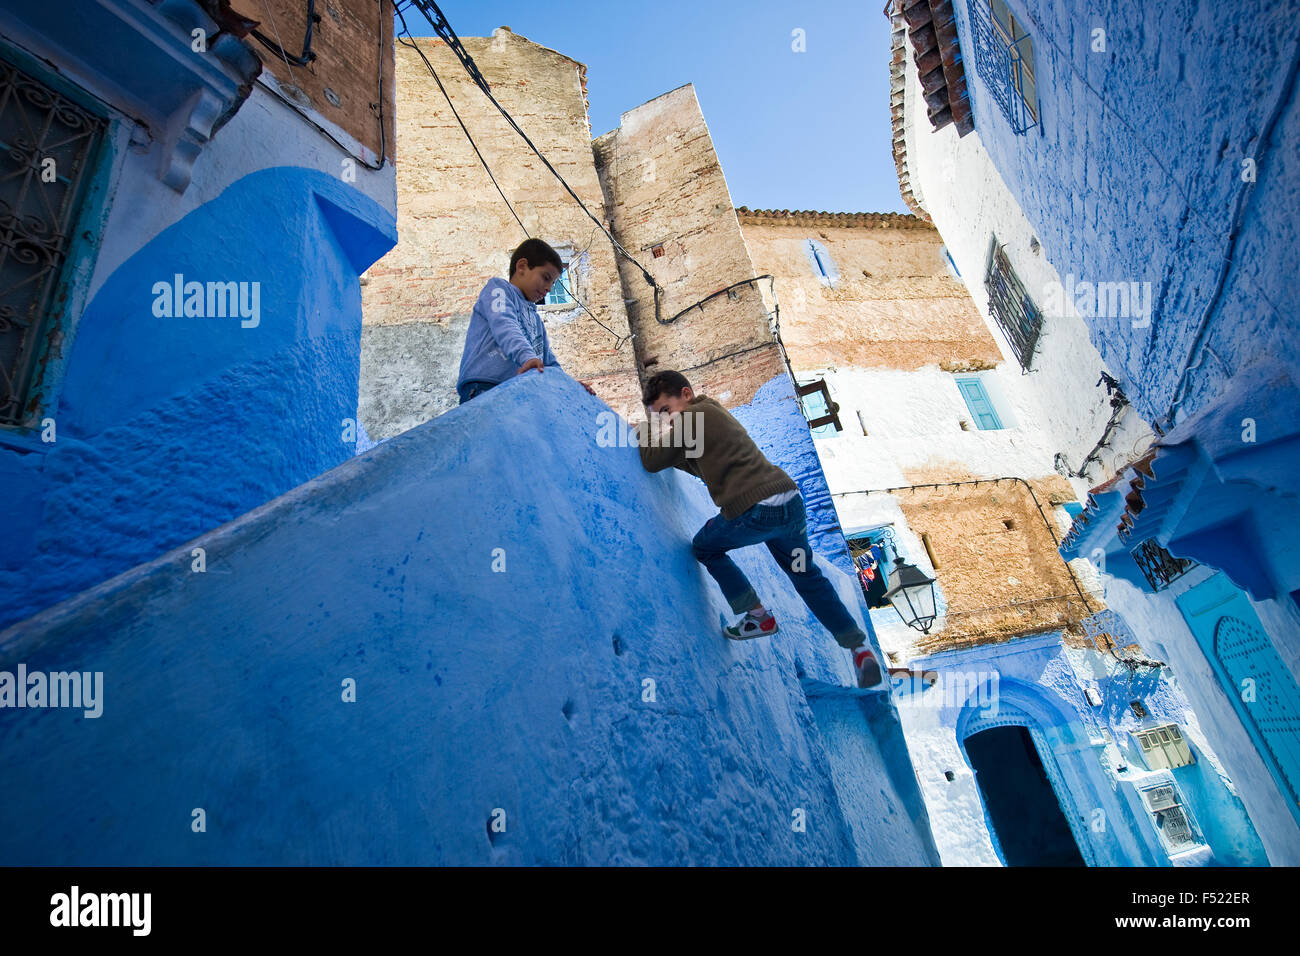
column 307, row 55
column 383, row 141
column 440, row 26
column 407, row 40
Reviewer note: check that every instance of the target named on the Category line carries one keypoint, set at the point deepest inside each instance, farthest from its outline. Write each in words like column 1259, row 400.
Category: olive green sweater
column 715, row 447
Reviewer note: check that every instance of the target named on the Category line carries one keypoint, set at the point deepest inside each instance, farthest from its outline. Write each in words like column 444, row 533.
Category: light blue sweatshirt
column 505, row 331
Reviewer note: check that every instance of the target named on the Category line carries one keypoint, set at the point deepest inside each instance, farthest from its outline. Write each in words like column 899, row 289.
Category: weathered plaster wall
column 170, row 425
column 1120, row 185
column 958, row 184
column 664, row 187
column 895, row 304
column 456, row 232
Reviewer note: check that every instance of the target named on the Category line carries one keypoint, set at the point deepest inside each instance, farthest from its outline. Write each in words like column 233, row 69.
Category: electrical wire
column 439, row 23
column 307, row 55
column 383, row 140
column 407, row 40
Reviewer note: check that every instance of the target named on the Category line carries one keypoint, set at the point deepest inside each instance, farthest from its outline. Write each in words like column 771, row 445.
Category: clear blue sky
column 793, row 130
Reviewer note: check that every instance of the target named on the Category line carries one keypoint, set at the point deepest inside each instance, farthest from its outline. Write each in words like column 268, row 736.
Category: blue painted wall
column 775, row 422
column 523, row 688
column 169, row 426
column 1134, row 173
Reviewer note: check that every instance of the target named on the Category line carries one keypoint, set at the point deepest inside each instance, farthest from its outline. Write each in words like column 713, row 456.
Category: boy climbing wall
column 759, row 502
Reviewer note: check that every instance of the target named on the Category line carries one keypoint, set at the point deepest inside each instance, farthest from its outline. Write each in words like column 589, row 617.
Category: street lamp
column 912, row 594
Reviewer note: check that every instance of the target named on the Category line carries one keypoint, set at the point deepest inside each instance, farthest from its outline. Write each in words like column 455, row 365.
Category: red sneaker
column 868, row 670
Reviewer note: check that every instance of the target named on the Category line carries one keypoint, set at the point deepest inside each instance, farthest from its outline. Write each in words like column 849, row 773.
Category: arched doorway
column 1025, row 817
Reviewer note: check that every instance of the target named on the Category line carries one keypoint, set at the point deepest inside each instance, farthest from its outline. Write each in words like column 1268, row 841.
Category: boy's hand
column 531, row 363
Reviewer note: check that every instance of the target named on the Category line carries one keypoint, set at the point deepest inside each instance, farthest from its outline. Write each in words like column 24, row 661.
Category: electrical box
column 1172, row 820
column 1164, row 747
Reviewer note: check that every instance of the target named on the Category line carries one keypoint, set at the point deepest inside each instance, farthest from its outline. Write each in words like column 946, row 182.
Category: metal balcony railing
column 998, row 61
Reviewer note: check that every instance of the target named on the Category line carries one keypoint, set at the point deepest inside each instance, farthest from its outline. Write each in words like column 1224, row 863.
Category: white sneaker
column 747, row 628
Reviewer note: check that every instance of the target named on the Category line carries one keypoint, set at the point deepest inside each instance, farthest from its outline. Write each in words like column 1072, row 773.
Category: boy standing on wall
column 759, row 502
column 506, row 334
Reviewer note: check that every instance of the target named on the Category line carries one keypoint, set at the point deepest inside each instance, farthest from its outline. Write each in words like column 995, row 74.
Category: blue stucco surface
column 521, row 688
column 170, row 426
column 1135, row 173
column 774, row 420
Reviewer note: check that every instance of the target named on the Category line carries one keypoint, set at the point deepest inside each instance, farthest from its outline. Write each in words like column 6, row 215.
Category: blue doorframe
column 1233, row 640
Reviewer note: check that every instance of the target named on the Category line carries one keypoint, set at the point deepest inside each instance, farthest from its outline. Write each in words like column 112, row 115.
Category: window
column 979, row 403
column 1159, row 567
column 1004, row 58
column 48, row 148
column 873, row 554
column 1010, row 307
column 1164, row 747
column 823, row 415
column 823, row 265
column 560, row 291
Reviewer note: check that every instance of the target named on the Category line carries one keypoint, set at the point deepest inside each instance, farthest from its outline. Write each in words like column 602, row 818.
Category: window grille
column 1159, row 567
column 560, row 290
column 1004, row 59
column 1009, row 305
column 47, row 143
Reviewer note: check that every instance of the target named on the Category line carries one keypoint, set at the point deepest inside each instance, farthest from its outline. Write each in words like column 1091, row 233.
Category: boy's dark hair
column 667, row 382
column 538, row 253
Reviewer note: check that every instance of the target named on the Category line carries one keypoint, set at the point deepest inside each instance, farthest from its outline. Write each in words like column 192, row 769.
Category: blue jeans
column 467, row 390
column 784, row 529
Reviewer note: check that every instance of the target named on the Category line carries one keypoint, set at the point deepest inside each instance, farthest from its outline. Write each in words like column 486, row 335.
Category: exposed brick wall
column 895, row 304
column 663, row 184
column 349, row 50
column 997, row 562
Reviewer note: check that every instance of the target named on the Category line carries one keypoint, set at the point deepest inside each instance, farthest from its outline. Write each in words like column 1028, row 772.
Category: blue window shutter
column 977, row 400
column 558, row 294
column 819, row 258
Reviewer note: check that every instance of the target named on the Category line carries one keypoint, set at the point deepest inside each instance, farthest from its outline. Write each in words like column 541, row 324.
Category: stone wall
column 895, row 304
column 666, row 191
column 456, row 232
column 881, row 316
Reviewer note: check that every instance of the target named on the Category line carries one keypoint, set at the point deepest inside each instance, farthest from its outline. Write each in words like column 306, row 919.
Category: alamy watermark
column 1115, row 300
column 208, row 300
column 686, row 431
column 25, row 688
column 956, row 688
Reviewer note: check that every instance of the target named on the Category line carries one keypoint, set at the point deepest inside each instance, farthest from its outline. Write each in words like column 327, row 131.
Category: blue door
column 1247, row 665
